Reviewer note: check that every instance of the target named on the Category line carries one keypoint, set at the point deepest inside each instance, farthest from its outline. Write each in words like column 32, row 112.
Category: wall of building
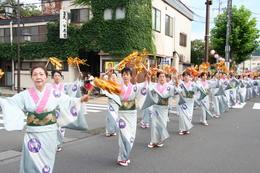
column 69, row 76
column 165, row 45
column 250, row 64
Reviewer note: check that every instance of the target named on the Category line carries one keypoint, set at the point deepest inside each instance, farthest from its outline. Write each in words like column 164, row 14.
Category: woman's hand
column 84, row 98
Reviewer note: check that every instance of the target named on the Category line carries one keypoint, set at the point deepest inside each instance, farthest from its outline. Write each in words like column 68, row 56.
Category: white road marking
column 96, row 105
column 239, row 106
column 96, row 108
column 256, row 106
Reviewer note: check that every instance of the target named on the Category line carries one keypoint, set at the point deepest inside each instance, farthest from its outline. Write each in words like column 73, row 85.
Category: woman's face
column 204, row 77
column 186, row 78
column 57, row 78
column 39, row 77
column 126, row 77
column 113, row 77
column 162, row 78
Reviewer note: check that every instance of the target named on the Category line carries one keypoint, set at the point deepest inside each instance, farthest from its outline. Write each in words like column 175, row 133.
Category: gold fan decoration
column 76, row 61
column 1, row 73
column 109, row 86
column 204, row 67
column 153, row 71
column 135, row 59
column 192, row 71
column 169, row 69
column 57, row 63
column 221, row 66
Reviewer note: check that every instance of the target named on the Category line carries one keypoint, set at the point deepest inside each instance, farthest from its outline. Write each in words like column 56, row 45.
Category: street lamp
column 27, row 37
column 9, row 10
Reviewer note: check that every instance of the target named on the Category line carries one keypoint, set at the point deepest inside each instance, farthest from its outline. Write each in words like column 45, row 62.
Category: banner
column 63, row 24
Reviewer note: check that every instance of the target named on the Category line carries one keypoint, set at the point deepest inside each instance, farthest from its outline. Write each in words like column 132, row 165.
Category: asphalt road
column 228, row 145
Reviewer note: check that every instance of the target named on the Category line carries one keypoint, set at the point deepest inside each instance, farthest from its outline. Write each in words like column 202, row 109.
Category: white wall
column 165, row 45
column 69, row 76
column 250, row 64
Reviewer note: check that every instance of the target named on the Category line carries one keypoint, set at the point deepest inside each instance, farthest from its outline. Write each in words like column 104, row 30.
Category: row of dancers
column 51, row 106
column 154, row 99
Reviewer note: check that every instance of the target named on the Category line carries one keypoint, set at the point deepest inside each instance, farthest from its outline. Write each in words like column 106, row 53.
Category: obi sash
column 127, row 105
column 41, row 119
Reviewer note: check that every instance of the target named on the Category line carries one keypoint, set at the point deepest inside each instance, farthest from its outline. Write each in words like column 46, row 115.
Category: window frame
column 155, row 15
column 170, row 25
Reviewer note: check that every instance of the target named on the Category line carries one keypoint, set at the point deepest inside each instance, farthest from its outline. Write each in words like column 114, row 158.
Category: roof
column 180, row 7
column 33, row 19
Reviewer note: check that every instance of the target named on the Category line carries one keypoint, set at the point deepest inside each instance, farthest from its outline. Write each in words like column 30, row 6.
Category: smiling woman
column 41, row 105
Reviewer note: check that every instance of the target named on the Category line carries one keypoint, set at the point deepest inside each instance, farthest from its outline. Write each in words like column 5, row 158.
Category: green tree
column 243, row 37
column 26, row 10
column 197, row 51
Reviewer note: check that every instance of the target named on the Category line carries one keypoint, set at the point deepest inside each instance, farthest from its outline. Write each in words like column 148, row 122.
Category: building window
column 156, row 19
column 168, row 25
column 80, row 15
column 120, row 13
column 183, row 39
column 108, row 14
column 37, row 33
column 2, row 34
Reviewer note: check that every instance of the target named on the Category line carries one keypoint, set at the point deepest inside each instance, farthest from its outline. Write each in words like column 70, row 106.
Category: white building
column 252, row 64
column 172, row 30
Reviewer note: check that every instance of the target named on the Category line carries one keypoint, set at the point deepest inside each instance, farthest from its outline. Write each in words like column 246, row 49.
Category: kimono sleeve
column 12, row 110
column 71, row 113
column 142, row 89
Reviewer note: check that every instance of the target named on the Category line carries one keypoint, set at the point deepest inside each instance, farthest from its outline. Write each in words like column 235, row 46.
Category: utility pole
column 219, row 2
column 18, row 46
column 208, row 3
column 227, row 47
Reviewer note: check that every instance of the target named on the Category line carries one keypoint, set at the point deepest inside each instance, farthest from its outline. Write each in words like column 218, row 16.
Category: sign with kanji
column 63, row 24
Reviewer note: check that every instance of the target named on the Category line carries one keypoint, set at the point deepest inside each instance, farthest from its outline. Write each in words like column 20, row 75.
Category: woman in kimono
column 215, row 86
column 241, row 90
column 204, row 98
column 162, row 91
column 145, row 113
column 186, row 90
column 127, row 115
column 58, row 88
column 40, row 104
column 113, row 106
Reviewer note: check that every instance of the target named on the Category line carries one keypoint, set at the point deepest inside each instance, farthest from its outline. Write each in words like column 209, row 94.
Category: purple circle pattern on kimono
column 135, row 88
column 74, row 88
column 56, row 93
column 143, row 91
column 132, row 139
column 73, row 111
column 62, row 130
column 46, row 169
column 122, row 124
column 184, row 106
column 111, row 108
column 57, row 113
column 34, row 145
column 168, row 88
column 65, row 87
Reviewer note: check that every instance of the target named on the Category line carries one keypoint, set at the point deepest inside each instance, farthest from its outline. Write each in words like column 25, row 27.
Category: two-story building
column 171, row 24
